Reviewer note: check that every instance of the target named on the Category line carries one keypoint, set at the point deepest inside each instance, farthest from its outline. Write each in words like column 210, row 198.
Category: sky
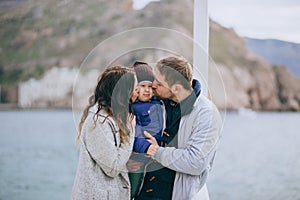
column 263, row 19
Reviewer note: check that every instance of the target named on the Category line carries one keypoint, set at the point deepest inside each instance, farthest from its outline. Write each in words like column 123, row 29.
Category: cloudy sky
column 275, row 19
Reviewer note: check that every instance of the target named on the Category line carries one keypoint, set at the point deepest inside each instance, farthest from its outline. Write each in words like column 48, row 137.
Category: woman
column 105, row 134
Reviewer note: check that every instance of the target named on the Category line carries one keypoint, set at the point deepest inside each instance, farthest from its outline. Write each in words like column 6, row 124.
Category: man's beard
column 170, row 95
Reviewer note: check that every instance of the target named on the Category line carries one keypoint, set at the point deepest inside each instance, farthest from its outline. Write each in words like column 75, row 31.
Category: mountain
column 42, row 41
column 277, row 52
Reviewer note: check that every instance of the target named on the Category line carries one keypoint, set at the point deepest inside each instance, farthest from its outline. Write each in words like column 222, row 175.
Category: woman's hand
column 131, row 123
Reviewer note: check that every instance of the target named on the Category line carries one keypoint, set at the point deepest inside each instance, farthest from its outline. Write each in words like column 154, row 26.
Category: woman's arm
column 100, row 144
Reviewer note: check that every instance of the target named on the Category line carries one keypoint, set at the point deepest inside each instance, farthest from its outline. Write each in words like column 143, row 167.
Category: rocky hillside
column 249, row 80
column 277, row 52
column 39, row 35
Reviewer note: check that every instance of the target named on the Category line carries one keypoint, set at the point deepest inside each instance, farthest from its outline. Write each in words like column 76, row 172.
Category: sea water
column 258, row 157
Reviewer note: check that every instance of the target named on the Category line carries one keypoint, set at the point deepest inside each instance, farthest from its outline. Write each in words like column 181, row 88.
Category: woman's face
column 135, row 92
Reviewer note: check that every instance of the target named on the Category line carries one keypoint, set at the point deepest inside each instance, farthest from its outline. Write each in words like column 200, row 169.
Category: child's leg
column 135, row 181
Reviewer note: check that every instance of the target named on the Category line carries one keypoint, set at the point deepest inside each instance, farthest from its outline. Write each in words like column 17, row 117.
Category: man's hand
column 150, row 138
column 154, row 146
column 152, row 150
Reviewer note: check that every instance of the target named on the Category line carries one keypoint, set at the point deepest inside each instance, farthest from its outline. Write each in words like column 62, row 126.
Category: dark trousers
column 158, row 183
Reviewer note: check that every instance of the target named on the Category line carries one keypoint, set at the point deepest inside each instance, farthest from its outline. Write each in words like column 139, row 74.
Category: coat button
column 149, row 190
column 167, row 134
column 152, row 178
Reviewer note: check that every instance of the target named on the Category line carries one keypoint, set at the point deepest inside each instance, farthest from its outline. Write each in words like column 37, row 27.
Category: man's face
column 161, row 87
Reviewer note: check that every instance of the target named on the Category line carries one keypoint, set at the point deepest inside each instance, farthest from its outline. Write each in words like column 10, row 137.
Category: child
column 149, row 117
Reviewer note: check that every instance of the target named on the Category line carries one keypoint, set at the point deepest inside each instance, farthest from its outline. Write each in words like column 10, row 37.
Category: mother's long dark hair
column 112, row 94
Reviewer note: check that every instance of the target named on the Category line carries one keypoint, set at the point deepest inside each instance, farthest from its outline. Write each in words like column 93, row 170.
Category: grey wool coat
column 198, row 139
column 101, row 172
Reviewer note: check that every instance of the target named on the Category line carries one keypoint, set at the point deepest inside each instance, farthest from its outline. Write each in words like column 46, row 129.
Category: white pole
column 201, row 40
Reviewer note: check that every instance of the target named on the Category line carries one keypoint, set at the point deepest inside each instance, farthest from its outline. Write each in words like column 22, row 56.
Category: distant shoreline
column 9, row 106
column 11, row 4
column 15, row 107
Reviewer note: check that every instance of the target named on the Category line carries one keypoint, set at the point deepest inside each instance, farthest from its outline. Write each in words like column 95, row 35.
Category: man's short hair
column 176, row 70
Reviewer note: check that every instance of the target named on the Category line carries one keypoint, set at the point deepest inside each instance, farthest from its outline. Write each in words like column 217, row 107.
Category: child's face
column 145, row 91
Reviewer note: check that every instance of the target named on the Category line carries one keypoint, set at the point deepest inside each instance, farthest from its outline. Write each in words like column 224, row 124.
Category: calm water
column 259, row 156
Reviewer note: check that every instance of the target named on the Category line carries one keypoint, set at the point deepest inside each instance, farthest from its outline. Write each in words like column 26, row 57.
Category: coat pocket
column 119, row 194
column 145, row 118
column 101, row 195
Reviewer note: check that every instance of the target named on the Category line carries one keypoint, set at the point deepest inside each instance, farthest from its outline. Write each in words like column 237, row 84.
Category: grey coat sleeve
column 199, row 150
column 101, row 147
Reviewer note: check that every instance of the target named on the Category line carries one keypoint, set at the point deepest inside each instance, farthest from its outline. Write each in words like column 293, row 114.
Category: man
column 190, row 138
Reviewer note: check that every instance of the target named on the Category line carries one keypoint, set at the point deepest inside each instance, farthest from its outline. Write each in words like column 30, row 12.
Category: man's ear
column 176, row 88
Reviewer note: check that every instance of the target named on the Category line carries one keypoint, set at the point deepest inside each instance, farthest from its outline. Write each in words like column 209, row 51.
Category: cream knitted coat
column 101, row 172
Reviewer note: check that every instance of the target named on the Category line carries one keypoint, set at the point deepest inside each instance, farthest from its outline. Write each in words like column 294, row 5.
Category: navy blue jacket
column 149, row 117
column 162, row 186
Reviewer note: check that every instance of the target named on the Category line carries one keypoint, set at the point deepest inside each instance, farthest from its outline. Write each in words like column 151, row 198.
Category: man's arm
column 200, row 148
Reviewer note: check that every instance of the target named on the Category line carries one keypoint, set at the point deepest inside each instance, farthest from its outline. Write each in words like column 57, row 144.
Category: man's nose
column 154, row 84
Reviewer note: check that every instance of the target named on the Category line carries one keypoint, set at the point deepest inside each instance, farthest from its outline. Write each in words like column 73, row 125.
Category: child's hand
column 152, row 150
column 133, row 165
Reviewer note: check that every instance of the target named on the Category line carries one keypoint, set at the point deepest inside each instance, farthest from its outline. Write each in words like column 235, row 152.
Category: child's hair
column 112, row 94
column 143, row 72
